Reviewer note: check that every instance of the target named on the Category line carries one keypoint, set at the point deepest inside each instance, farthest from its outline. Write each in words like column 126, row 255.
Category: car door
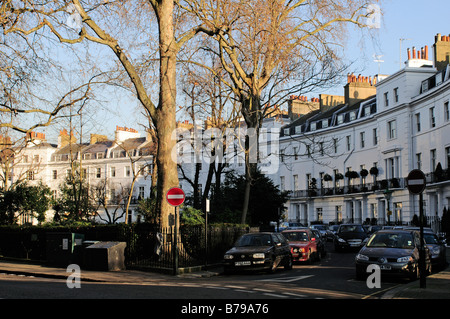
column 277, row 248
column 283, row 248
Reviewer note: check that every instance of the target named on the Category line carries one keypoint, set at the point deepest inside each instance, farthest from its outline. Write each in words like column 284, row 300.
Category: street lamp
column 388, row 194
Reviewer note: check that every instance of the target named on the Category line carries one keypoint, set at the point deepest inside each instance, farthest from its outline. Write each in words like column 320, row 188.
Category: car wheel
column 289, row 263
column 415, row 274
column 272, row 267
column 320, row 254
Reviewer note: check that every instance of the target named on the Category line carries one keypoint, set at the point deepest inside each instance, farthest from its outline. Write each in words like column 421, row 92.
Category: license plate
column 385, row 267
column 242, row 263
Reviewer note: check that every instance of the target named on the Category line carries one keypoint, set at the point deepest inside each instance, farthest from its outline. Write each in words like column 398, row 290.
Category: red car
column 303, row 244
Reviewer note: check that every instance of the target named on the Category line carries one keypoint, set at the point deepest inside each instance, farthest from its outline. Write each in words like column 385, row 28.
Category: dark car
column 396, row 252
column 436, row 246
column 324, row 231
column 259, row 251
column 304, row 246
column 334, row 229
column 349, row 236
column 372, row 229
column 321, row 242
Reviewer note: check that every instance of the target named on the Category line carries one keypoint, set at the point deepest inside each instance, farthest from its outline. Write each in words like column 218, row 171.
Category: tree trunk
column 251, row 112
column 165, row 116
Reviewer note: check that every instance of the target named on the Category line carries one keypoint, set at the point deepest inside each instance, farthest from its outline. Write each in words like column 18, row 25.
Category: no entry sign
column 416, row 181
column 175, row 196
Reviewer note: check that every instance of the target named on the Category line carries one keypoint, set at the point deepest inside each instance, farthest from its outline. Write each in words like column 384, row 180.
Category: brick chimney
column 441, row 51
column 358, row 88
column 95, row 138
column 36, row 137
column 299, row 105
column 64, row 139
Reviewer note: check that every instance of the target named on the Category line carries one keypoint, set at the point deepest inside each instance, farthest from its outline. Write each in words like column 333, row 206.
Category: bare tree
column 273, row 48
column 104, row 23
column 113, row 204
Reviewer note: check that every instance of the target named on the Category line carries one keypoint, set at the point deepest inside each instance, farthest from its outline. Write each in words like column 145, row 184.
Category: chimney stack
column 358, row 88
column 64, row 139
column 441, row 51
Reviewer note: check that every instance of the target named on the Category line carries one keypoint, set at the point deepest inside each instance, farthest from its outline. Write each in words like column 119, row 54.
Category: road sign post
column 416, row 183
column 175, row 197
column 206, row 231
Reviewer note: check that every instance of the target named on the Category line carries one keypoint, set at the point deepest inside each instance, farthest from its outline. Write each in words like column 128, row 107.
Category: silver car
column 396, row 252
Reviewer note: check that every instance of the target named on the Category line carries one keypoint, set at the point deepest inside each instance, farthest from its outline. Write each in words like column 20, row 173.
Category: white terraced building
column 327, row 152
column 112, row 164
column 392, row 123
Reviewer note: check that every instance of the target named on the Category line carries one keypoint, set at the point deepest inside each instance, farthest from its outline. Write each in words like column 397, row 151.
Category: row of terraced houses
column 343, row 158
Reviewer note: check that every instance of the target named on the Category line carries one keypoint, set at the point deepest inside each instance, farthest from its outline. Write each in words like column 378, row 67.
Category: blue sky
column 418, row 21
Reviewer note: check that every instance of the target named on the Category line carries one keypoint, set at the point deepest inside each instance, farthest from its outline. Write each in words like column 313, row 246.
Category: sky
column 415, row 21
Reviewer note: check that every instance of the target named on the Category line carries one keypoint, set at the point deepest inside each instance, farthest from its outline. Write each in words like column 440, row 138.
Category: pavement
column 437, row 285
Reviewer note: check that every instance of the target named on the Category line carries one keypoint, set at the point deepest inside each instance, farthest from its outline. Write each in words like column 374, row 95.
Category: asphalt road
column 331, row 278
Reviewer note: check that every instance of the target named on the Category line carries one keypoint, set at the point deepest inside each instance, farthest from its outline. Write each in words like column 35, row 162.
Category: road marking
column 275, row 295
column 295, row 295
column 245, row 291
column 287, row 279
column 235, row 287
column 263, row 290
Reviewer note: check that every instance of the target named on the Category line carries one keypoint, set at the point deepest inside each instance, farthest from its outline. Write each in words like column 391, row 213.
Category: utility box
column 63, row 249
column 106, row 256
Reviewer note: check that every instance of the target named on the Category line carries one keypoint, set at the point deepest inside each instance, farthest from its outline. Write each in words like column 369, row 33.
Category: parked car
column 259, row 251
column 293, row 225
column 288, row 225
column 303, row 244
column 334, row 229
column 349, row 236
column 324, row 231
column 396, row 252
column 372, row 229
column 436, row 245
column 321, row 242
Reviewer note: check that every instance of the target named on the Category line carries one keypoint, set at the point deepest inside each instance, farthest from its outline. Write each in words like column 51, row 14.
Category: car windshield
column 320, row 227
column 392, row 240
column 351, row 229
column 430, row 239
column 296, row 236
column 254, row 240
